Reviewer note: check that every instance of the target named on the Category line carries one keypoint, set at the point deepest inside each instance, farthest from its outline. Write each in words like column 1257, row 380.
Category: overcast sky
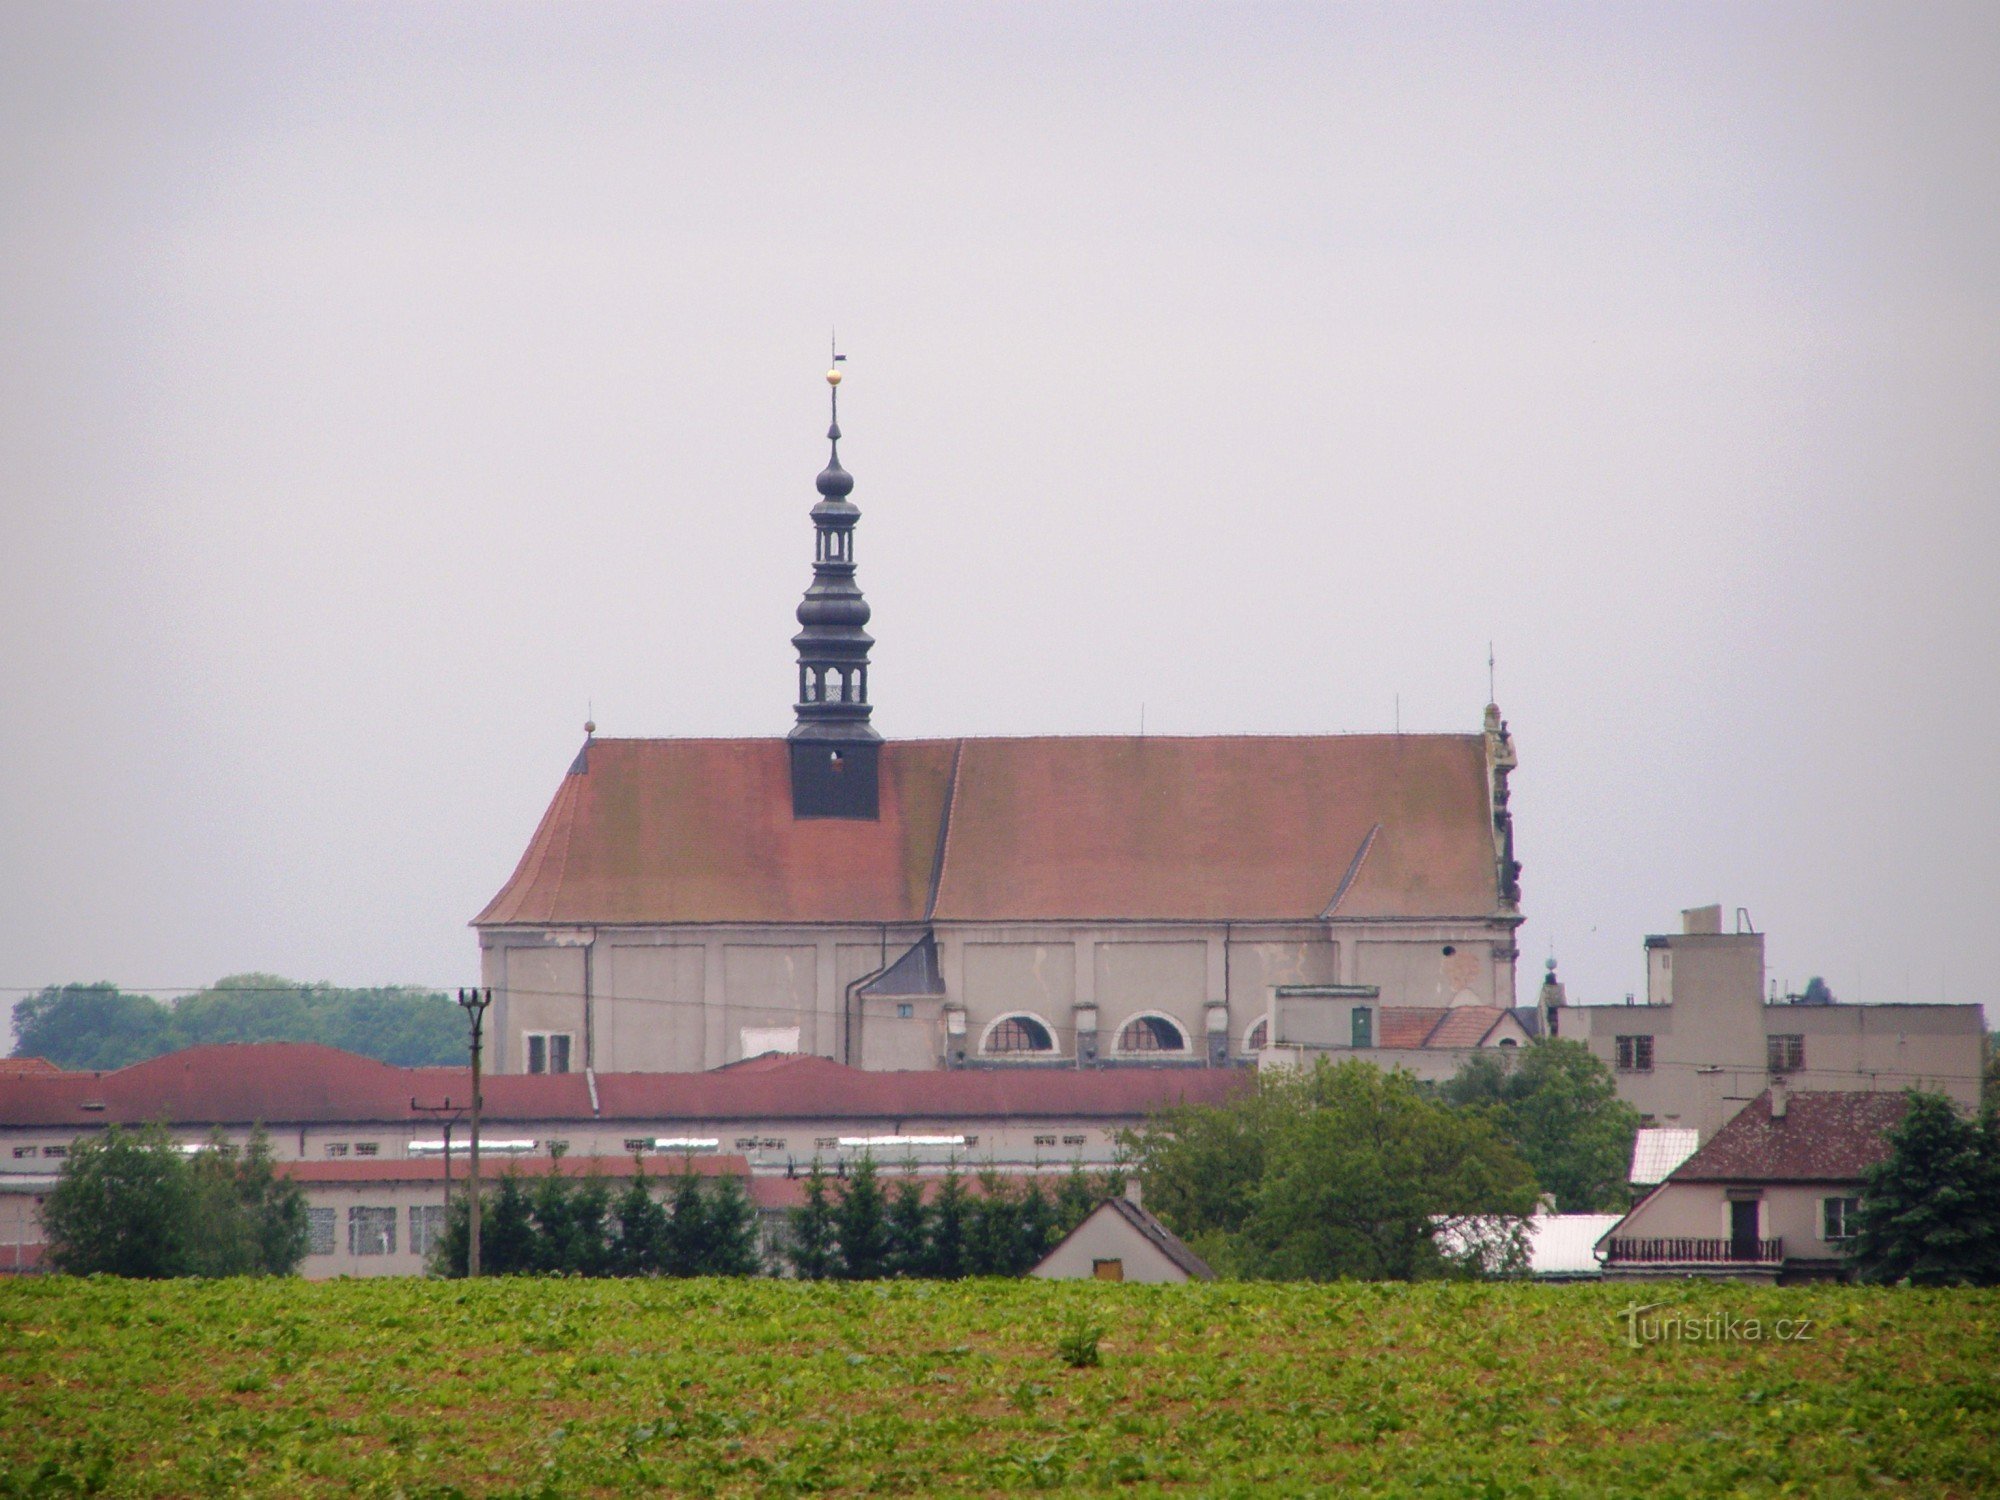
column 384, row 386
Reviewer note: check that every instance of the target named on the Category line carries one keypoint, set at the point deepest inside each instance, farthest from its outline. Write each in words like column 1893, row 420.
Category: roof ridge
column 944, row 832
column 1353, row 870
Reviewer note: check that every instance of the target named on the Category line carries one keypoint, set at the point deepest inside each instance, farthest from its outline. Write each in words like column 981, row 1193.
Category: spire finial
column 1491, row 695
column 833, row 380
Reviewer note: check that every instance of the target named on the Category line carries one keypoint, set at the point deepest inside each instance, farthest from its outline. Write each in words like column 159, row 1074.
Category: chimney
column 1780, row 1098
column 1701, row 921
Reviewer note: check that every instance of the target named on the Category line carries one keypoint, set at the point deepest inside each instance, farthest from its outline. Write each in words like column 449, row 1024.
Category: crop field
column 433, row 1389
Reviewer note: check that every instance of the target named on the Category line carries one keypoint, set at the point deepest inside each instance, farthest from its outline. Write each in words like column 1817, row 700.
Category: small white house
column 1120, row 1241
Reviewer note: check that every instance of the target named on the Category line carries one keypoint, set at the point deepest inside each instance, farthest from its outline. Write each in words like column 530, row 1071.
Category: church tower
column 834, row 748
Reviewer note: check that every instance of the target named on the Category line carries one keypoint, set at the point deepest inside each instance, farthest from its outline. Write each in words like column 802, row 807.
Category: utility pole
column 451, row 1113
column 475, row 1001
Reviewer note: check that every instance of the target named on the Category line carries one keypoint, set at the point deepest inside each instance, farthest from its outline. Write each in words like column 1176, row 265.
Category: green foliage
column 811, row 1246
column 101, row 1026
column 766, row 1388
column 131, row 1203
column 947, row 1257
column 1559, row 1106
column 1078, row 1346
column 909, row 1229
column 1930, row 1211
column 1339, row 1171
column 861, row 1224
column 572, row 1226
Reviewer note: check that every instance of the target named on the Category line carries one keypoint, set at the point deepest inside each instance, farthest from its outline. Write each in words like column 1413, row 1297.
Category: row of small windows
column 372, row 1231
column 833, row 684
column 1782, row 1054
column 1023, row 1035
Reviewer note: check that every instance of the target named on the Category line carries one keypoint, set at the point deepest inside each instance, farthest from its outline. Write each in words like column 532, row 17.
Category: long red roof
column 1212, row 828
column 295, row 1083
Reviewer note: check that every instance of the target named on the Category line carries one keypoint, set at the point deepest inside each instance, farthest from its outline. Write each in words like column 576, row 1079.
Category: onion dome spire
column 833, row 744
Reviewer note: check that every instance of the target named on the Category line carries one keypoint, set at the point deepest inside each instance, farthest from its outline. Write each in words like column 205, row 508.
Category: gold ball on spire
column 833, row 377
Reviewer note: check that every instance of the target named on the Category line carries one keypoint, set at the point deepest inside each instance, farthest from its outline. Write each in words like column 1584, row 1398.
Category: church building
column 1100, row 901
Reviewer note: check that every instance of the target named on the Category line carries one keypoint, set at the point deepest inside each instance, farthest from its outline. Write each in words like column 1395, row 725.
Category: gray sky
column 383, row 384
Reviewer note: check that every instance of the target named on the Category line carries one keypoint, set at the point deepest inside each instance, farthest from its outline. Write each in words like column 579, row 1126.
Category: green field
column 718, row 1387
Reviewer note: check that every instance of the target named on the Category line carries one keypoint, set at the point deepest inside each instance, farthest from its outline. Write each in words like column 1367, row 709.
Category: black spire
column 833, row 745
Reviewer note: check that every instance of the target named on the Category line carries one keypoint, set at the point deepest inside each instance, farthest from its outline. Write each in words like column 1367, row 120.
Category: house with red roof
column 1091, row 902
column 1771, row 1196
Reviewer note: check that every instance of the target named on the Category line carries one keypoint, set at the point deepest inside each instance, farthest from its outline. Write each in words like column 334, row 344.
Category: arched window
column 1017, row 1036
column 1152, row 1034
column 1258, row 1037
column 1508, row 1041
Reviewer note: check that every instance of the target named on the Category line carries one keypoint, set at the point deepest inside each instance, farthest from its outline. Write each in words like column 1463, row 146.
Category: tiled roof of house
column 1093, row 827
column 302, row 1083
column 1822, row 1137
column 1409, row 1027
column 1466, row 1026
column 11, row 1067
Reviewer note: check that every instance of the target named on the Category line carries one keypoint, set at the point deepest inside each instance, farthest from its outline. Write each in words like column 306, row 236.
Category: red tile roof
column 14, row 1066
column 1823, row 1137
column 1112, row 827
column 292, row 1083
column 1406, row 1026
column 1465, row 1026
column 702, row 831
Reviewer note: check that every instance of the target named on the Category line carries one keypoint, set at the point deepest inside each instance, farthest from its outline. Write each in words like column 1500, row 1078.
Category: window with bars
column 367, row 1148
column 1152, row 1034
column 1018, row 1034
column 55, row 1151
column 371, row 1231
column 1785, row 1054
column 336, row 1148
column 319, row 1231
column 1634, row 1054
column 1045, row 1140
column 548, row 1051
column 426, row 1226
column 1076, row 1140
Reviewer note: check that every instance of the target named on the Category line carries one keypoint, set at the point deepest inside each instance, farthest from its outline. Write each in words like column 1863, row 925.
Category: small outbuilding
column 1120, row 1241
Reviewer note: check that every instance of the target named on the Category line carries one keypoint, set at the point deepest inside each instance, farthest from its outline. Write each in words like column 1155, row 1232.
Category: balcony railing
column 1679, row 1252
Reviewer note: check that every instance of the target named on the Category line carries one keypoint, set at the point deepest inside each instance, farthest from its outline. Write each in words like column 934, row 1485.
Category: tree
column 811, row 1246
column 506, row 1230
column 909, row 1229
column 1930, row 1210
column 689, row 1244
column 732, row 1232
column 130, row 1203
column 861, row 1224
column 642, row 1229
column 993, row 1229
column 122, row 1206
column 1559, row 1106
column 91, row 1026
column 1035, row 1227
column 1337, row 1171
column 101, row 1026
column 946, row 1254
column 1076, row 1196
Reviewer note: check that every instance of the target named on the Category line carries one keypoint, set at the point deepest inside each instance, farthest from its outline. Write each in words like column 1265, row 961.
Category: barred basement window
column 1785, row 1054
column 371, row 1231
column 1635, row 1054
column 21, row 1151
column 972, row 1140
column 636, row 1144
column 56, row 1151
column 1075, row 1140
column 826, row 1142
column 367, row 1148
column 319, row 1231
column 1045, row 1140
column 336, row 1148
column 426, row 1226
